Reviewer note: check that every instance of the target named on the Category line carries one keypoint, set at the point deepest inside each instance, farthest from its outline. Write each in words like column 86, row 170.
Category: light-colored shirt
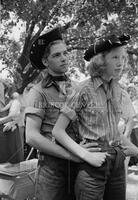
column 98, row 112
column 46, row 101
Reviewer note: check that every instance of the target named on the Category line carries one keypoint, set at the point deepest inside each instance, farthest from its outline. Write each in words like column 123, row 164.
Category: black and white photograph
column 69, row 100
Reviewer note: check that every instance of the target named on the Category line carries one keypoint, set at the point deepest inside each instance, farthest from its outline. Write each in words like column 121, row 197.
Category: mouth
column 118, row 70
column 64, row 65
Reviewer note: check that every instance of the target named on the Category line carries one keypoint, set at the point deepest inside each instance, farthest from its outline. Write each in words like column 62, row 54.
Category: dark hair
column 48, row 48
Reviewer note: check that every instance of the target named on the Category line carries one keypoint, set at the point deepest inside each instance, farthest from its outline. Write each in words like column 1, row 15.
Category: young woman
column 97, row 108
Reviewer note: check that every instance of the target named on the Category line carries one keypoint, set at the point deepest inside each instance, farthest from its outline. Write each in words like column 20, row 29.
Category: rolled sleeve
column 35, row 104
column 73, row 105
column 34, row 111
column 69, row 113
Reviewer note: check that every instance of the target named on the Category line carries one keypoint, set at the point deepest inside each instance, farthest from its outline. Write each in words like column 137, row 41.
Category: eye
column 65, row 53
column 115, row 57
column 56, row 55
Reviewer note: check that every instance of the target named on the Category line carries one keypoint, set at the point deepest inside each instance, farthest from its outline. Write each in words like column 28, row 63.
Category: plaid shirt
column 98, row 111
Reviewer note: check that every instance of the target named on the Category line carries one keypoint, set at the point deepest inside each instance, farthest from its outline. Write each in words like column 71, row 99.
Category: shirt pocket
column 51, row 114
column 95, row 115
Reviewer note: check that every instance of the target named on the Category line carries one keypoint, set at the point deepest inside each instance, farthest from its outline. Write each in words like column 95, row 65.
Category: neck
column 106, row 78
column 54, row 74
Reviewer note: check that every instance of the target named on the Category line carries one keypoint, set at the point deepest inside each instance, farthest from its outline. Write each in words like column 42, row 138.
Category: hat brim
column 38, row 47
column 105, row 45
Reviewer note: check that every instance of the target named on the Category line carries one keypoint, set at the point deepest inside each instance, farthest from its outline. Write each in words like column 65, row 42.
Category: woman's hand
column 95, row 159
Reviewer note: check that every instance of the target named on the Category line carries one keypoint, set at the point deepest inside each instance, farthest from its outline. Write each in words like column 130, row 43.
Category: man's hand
column 92, row 146
column 9, row 126
column 130, row 150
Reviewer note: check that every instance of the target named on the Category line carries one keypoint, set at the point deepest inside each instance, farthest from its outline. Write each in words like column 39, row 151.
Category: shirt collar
column 97, row 82
column 51, row 80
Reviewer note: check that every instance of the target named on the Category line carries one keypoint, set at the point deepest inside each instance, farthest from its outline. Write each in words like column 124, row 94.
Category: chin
column 64, row 71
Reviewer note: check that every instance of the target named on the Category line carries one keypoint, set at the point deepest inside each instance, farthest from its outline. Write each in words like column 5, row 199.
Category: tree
column 82, row 21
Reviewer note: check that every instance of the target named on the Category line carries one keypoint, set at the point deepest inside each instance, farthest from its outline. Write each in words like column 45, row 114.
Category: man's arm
column 38, row 141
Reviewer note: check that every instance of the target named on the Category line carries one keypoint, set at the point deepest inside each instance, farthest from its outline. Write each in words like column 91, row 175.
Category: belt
column 43, row 157
column 113, row 148
column 104, row 144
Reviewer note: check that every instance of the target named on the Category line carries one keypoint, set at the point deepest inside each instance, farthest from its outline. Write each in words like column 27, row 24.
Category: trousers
column 55, row 179
column 103, row 183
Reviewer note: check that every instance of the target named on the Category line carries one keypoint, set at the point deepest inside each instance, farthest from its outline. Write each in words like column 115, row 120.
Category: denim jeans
column 102, row 183
column 55, row 179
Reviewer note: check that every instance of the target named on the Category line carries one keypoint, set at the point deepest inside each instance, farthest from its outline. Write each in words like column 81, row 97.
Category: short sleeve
column 74, row 104
column 35, row 104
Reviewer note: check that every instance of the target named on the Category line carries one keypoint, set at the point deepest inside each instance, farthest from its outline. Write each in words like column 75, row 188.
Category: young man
column 97, row 106
column 56, row 171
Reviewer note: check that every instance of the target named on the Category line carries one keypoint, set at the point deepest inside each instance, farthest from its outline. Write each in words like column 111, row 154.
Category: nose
column 120, row 62
column 63, row 57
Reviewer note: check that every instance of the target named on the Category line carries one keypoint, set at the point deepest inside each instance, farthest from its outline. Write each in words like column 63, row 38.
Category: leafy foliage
column 82, row 21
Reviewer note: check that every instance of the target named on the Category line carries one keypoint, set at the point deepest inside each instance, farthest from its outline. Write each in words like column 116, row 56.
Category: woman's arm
column 38, row 141
column 95, row 158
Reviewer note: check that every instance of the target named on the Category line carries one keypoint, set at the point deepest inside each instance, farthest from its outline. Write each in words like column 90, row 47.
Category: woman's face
column 114, row 61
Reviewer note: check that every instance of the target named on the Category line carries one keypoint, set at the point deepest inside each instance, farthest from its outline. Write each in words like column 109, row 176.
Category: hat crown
column 106, row 44
column 49, row 37
column 38, row 47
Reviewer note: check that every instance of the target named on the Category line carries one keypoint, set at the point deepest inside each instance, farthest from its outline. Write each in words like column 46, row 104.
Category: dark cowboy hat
column 106, row 44
column 38, row 47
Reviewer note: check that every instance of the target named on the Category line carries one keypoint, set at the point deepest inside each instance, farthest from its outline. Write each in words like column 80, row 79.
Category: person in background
column 133, row 92
column 2, row 95
column 98, row 109
column 13, row 107
column 11, row 149
column 29, row 152
column 56, row 166
column 126, row 123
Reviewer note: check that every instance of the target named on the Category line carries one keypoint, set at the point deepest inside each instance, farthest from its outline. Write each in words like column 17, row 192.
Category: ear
column 45, row 62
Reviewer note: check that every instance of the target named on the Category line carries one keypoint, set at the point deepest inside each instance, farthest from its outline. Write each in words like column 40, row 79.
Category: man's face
column 114, row 61
column 58, row 58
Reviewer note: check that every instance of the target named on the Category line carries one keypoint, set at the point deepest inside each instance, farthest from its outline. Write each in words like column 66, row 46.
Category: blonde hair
column 97, row 66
